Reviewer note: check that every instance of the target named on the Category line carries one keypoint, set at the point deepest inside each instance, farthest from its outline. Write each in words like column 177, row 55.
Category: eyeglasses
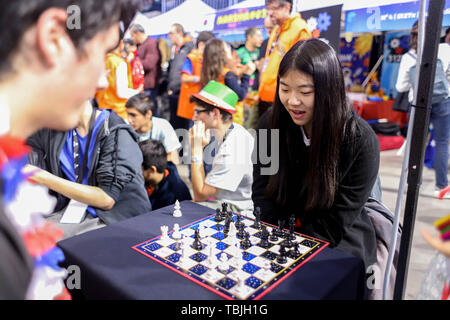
column 197, row 112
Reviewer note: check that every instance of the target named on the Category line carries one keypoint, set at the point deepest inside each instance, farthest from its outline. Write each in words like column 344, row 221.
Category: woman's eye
column 307, row 93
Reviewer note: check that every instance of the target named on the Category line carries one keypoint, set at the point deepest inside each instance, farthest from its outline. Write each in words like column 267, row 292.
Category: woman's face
column 296, row 93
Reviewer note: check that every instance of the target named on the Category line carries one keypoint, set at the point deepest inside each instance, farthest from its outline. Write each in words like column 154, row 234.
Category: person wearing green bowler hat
column 230, row 179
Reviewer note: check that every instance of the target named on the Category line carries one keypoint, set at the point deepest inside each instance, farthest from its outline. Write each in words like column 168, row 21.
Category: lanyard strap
column 79, row 170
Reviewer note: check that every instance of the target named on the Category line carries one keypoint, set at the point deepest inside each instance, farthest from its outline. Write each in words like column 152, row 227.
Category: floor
column 429, row 210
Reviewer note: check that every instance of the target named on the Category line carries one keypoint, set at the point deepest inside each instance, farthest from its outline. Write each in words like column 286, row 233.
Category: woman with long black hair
column 328, row 156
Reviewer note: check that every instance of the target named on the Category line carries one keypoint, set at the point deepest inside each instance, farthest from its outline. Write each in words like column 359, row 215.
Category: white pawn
column 176, row 232
column 224, row 265
column 177, row 212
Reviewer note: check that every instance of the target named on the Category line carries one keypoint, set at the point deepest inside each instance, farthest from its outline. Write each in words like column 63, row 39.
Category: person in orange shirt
column 289, row 29
column 120, row 83
column 190, row 77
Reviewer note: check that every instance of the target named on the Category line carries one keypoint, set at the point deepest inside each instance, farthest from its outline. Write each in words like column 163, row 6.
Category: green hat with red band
column 218, row 95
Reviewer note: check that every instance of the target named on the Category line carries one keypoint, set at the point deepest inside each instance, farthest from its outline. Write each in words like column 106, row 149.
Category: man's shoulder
column 161, row 123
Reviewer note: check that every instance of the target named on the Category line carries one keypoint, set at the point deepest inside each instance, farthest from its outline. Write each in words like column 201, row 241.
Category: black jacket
column 170, row 189
column 346, row 224
column 175, row 67
column 116, row 167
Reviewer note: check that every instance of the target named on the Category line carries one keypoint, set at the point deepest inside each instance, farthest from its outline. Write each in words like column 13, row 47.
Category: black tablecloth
column 111, row 269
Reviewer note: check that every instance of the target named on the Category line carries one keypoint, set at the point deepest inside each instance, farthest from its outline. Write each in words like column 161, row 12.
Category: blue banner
column 240, row 18
column 395, row 45
column 399, row 16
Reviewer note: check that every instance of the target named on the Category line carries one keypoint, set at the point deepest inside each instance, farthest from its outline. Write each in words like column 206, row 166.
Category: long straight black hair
column 331, row 114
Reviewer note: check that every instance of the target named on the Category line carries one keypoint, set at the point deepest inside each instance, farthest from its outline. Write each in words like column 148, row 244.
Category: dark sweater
column 170, row 189
column 346, row 224
column 175, row 67
column 151, row 60
column 115, row 167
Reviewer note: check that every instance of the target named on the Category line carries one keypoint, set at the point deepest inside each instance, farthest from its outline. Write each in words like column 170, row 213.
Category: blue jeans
column 440, row 118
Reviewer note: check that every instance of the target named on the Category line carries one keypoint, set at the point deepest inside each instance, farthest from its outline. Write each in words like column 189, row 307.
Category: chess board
column 249, row 279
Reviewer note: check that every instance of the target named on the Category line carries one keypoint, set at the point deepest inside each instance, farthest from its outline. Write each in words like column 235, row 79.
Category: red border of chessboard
column 262, row 294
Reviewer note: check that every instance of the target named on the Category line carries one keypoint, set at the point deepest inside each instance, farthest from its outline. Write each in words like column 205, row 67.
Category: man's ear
column 52, row 39
column 153, row 169
column 148, row 114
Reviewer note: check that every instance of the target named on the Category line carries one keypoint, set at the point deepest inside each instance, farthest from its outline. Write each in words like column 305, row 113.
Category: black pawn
column 294, row 253
column 257, row 214
column 282, row 256
column 245, row 244
column 218, row 216
column 197, row 245
column 264, row 243
column 238, row 221
column 273, row 235
column 292, row 220
column 241, row 232
column 280, row 231
column 226, row 227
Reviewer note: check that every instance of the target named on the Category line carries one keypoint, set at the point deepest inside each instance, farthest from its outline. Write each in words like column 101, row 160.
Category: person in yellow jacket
column 120, row 83
column 190, row 76
column 289, row 29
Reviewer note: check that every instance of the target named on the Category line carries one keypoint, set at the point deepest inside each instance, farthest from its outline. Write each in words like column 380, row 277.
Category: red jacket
column 150, row 57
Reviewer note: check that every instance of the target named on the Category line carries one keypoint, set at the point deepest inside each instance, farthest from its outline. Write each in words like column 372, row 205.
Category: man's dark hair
column 204, row 36
column 280, row 2
column 226, row 116
column 154, row 154
column 141, row 102
column 17, row 16
column 250, row 32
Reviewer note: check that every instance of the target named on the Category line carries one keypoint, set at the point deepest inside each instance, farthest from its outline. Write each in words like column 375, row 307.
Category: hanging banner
column 325, row 24
column 396, row 44
column 240, row 18
column 400, row 16
column 355, row 58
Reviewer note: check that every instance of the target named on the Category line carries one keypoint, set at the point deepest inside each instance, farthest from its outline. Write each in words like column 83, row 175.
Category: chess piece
column 164, row 230
column 238, row 221
column 241, row 233
column 280, row 231
column 224, row 210
column 177, row 212
column 224, row 265
column 273, row 236
column 282, row 255
column 226, row 227
column 182, row 252
column 257, row 214
column 292, row 220
column 245, row 244
column 197, row 245
column 176, row 235
column 264, row 243
column 211, row 261
column 295, row 253
column 218, row 216
column 241, row 287
column 267, row 268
